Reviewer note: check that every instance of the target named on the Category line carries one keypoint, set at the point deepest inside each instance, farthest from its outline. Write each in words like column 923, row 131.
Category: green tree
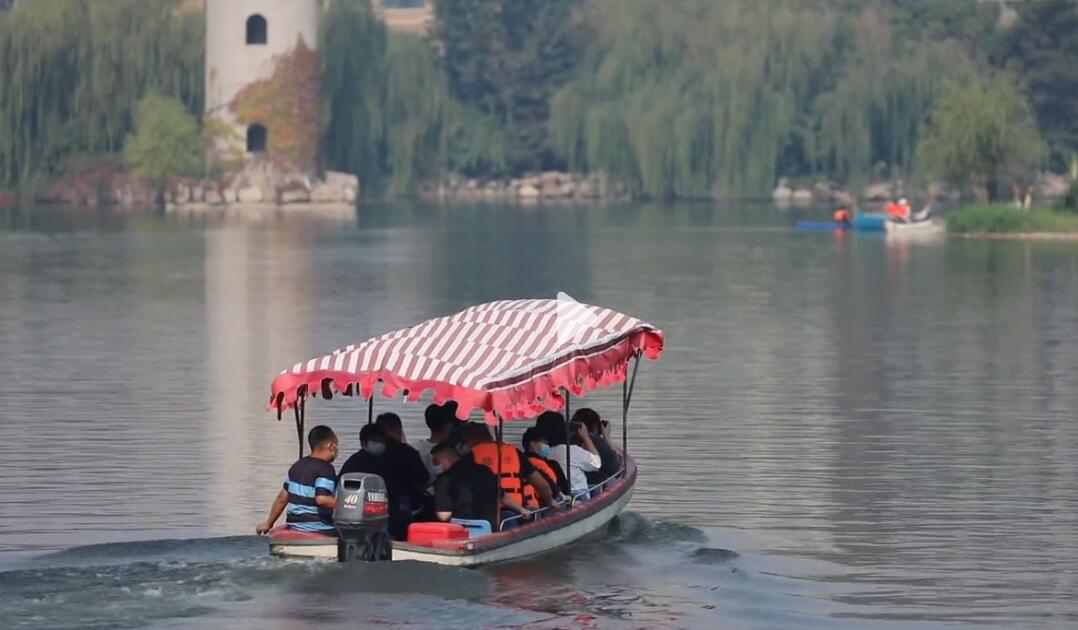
column 981, row 135
column 700, row 98
column 353, row 49
column 166, row 142
column 1041, row 49
column 505, row 59
column 73, row 70
column 388, row 111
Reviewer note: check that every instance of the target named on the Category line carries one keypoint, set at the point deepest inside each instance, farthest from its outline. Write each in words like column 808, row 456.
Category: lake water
column 844, row 432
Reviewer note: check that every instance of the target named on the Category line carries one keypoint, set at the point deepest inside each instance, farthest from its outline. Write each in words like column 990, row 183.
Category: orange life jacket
column 893, row 210
column 486, row 454
column 842, row 215
column 531, row 497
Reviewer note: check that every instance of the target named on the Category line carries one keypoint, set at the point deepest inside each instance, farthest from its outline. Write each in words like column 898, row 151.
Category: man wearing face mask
column 538, row 452
column 368, row 459
column 408, row 477
column 374, row 458
column 308, row 493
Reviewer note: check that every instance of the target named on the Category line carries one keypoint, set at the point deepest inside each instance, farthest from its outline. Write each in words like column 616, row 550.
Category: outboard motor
column 361, row 517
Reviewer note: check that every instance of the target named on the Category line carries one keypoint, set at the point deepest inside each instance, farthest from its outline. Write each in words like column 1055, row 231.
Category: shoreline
column 1017, row 236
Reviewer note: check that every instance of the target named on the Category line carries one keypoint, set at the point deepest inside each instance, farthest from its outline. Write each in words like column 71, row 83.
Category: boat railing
column 569, row 503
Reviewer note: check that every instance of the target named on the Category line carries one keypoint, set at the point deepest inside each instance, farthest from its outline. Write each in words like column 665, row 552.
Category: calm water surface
column 843, row 432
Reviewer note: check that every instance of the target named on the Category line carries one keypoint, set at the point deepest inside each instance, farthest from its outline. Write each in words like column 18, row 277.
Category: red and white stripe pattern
column 508, row 358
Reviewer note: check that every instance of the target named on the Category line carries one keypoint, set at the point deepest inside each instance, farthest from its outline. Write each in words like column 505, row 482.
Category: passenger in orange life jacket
column 536, row 450
column 516, row 470
column 898, row 211
column 842, row 215
column 904, row 210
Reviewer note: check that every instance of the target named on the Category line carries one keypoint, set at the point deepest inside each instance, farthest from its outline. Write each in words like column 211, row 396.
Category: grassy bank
column 1006, row 219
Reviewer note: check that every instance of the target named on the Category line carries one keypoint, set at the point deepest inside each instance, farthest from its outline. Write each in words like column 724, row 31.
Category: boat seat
column 475, row 528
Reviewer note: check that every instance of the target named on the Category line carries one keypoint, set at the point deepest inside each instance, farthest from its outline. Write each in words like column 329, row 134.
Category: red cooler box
column 424, row 534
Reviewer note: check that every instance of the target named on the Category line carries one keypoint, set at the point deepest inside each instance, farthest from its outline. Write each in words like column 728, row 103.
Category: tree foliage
column 288, row 104
column 675, row 98
column 73, row 71
column 504, row 60
column 387, row 106
column 982, row 134
column 1041, row 49
column 166, row 142
column 698, row 98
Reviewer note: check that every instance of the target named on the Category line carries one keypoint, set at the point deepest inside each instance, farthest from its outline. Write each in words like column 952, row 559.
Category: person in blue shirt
column 309, row 492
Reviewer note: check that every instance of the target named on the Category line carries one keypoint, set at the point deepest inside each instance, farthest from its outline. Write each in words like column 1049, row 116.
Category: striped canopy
column 510, row 359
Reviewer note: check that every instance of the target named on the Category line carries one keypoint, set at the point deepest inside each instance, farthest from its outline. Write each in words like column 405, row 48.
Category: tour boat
column 510, row 360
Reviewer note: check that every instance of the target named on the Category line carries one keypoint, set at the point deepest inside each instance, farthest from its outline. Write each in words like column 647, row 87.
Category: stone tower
column 262, row 83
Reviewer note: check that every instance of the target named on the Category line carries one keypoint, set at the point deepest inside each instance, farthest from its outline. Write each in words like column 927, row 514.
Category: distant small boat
column 860, row 223
column 916, row 229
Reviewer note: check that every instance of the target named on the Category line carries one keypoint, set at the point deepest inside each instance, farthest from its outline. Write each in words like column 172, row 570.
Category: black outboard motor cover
column 361, row 516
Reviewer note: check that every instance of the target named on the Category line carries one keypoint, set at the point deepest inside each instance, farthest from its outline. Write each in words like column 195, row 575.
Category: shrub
column 166, row 143
column 1070, row 200
column 1001, row 218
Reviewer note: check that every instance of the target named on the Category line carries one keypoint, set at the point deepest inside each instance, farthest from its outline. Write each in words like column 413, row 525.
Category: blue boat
column 860, row 223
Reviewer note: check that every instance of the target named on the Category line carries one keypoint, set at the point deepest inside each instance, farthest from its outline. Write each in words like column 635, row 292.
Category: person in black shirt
column 597, row 427
column 405, row 464
column 465, row 490
column 370, row 456
column 399, row 465
column 309, row 492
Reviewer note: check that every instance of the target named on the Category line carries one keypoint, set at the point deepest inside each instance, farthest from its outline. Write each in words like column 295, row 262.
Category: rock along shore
column 550, row 186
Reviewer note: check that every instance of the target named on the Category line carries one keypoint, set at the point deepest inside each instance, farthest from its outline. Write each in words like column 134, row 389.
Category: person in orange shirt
column 842, row 215
column 891, row 210
column 904, row 211
column 898, row 211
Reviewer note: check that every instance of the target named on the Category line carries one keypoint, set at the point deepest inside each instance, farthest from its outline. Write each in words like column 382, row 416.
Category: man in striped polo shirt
column 309, row 492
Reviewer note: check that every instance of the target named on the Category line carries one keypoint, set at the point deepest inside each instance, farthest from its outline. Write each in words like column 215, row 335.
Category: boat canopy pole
column 626, row 398
column 299, row 410
column 498, row 504
column 568, row 443
column 370, row 408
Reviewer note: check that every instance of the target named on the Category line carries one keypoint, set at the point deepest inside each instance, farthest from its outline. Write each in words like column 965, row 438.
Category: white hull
column 920, row 229
column 325, row 550
column 530, row 546
column 533, row 545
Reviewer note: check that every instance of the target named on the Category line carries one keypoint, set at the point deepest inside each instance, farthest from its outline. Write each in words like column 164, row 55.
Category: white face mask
column 435, row 470
column 375, row 448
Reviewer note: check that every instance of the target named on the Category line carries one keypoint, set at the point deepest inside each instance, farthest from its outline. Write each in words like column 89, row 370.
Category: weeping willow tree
column 873, row 113
column 388, row 111
column 73, row 71
column 698, row 98
column 982, row 134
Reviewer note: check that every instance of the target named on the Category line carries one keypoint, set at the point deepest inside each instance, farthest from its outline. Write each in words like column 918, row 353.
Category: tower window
column 257, row 30
column 256, row 139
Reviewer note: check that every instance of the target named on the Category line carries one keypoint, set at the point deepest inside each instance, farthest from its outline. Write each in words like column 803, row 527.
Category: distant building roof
column 415, row 17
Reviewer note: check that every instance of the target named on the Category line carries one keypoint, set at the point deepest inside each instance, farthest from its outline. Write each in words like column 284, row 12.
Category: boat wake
column 143, row 583
column 606, row 581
